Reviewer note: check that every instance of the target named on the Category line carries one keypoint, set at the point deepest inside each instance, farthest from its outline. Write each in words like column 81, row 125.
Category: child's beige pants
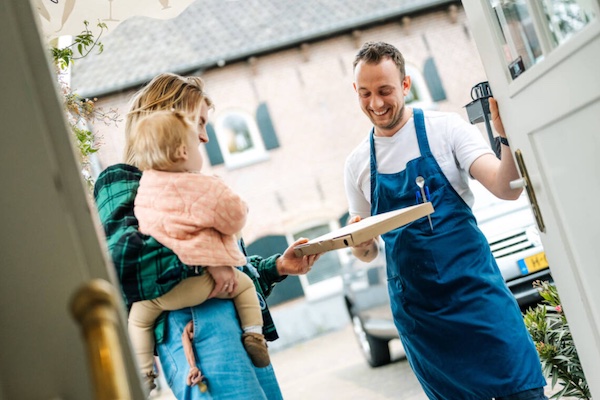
column 188, row 293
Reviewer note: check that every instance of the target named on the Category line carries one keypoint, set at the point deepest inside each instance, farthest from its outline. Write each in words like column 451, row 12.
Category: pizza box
column 363, row 230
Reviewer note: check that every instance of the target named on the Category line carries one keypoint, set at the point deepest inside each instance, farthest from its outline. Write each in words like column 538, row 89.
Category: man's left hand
column 495, row 115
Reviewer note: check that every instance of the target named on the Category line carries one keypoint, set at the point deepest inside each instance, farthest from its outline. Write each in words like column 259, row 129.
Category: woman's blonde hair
column 157, row 139
column 166, row 91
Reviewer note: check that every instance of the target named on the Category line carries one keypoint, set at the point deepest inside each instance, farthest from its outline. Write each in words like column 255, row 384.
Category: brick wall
column 316, row 115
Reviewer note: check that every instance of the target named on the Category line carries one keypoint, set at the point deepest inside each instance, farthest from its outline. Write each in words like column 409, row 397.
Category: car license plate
column 533, row 263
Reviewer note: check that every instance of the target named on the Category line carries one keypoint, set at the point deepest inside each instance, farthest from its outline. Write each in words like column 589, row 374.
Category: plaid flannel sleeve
column 145, row 268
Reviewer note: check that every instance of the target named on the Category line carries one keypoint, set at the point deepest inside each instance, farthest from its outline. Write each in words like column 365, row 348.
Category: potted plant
column 550, row 331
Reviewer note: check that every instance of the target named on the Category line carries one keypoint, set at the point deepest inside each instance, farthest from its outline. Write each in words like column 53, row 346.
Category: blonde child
column 196, row 216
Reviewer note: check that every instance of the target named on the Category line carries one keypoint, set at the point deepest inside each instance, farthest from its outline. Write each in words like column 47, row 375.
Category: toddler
column 196, row 216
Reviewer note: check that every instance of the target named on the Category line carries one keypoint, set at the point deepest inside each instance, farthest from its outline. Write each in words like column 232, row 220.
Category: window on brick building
column 420, row 95
column 238, row 138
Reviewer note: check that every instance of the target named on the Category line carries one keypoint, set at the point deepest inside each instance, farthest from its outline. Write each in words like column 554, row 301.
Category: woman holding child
column 148, row 270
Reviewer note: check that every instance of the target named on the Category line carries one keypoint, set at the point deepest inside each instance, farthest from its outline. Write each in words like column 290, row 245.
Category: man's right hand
column 367, row 250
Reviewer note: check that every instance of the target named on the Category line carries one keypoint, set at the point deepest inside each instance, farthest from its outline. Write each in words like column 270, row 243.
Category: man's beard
column 395, row 122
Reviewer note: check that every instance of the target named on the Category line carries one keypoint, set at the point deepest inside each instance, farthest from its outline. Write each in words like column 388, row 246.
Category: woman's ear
column 182, row 153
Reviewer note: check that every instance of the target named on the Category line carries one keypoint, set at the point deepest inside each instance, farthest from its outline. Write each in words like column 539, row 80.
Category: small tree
column 550, row 331
column 81, row 113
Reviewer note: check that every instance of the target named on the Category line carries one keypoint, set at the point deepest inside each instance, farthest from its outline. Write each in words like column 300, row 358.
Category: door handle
column 525, row 182
column 95, row 308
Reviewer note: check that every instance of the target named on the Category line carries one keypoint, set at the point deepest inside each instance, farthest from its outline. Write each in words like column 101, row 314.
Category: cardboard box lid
column 363, row 230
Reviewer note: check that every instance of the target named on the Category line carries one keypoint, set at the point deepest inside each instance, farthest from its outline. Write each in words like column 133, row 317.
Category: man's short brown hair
column 375, row 52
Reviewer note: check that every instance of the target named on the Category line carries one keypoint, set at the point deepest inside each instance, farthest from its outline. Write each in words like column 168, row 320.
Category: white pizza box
column 363, row 230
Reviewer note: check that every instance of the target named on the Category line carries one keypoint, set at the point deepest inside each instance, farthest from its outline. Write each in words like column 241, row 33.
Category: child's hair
column 158, row 137
column 166, row 91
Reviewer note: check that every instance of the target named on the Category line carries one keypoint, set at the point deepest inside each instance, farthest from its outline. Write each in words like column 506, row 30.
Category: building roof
column 215, row 32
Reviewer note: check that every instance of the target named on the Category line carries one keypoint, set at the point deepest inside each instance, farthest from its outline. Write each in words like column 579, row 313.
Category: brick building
column 280, row 74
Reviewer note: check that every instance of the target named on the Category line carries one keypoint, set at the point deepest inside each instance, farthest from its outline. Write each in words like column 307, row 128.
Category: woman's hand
column 225, row 280
column 289, row 264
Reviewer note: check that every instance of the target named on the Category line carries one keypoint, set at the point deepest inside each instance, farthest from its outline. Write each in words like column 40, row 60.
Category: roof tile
column 209, row 31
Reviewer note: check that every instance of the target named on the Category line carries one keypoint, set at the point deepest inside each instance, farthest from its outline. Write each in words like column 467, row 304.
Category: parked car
column 514, row 239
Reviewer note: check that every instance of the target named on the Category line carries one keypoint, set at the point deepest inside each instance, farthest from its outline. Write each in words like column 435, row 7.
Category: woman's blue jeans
column 219, row 353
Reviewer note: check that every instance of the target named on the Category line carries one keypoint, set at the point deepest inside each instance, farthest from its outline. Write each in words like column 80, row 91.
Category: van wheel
column 376, row 351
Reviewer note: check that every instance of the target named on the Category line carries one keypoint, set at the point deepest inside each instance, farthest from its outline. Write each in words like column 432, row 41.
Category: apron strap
column 419, row 121
column 373, row 167
column 421, row 133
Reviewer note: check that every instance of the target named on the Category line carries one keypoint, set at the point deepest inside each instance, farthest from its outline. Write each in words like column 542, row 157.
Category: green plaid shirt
column 146, row 269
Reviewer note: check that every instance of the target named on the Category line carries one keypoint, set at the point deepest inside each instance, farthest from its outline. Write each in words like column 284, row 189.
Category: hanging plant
column 82, row 113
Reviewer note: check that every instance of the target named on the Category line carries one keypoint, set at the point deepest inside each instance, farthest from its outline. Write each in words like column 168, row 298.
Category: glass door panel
column 530, row 29
column 564, row 18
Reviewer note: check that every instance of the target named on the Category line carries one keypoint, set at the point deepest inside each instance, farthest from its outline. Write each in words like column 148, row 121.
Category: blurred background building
column 286, row 116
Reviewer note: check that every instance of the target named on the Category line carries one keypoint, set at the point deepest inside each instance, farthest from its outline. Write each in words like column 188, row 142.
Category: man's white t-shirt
column 454, row 143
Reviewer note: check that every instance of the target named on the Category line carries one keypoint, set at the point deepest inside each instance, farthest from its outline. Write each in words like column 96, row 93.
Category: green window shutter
column 212, row 147
column 265, row 125
column 434, row 82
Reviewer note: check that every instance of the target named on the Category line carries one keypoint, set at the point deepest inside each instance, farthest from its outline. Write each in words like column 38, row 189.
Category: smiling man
column 460, row 325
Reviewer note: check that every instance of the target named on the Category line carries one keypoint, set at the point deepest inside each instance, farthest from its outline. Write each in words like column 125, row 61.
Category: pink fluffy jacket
column 194, row 215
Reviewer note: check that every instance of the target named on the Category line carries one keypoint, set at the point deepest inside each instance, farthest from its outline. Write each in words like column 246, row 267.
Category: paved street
column 331, row 367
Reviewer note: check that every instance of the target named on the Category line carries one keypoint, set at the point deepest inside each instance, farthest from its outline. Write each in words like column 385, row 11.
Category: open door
column 50, row 246
column 542, row 60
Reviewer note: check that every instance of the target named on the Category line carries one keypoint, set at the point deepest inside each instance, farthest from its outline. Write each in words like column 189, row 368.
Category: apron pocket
column 425, row 287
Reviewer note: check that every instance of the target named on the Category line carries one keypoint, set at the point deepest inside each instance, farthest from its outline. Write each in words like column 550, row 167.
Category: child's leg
column 248, row 308
column 142, row 316
column 188, row 293
column 246, row 302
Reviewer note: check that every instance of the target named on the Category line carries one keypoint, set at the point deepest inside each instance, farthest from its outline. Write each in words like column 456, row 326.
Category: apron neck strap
column 419, row 121
column 373, row 162
column 421, row 133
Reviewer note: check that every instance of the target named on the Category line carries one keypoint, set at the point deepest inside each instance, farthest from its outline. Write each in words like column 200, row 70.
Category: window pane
column 237, row 133
column 238, row 139
column 521, row 43
column 533, row 28
column 566, row 17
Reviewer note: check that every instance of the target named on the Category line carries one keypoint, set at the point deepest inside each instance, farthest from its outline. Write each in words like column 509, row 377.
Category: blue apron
column 461, row 328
